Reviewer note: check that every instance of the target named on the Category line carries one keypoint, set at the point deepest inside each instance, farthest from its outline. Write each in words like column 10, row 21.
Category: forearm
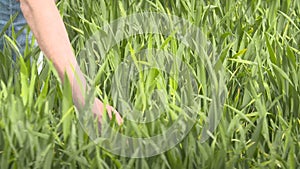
column 50, row 32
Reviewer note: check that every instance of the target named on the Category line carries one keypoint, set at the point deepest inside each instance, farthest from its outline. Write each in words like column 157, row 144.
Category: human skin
column 49, row 30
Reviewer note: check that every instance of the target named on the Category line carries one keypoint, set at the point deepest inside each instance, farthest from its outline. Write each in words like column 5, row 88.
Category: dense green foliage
column 257, row 43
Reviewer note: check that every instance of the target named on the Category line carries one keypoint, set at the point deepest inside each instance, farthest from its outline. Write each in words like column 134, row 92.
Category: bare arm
column 48, row 27
column 49, row 30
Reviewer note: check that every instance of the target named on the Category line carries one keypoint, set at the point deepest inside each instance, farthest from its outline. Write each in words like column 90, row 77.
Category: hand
column 98, row 109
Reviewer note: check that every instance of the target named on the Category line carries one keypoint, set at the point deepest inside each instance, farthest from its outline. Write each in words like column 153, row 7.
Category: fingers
column 112, row 111
column 109, row 111
column 99, row 109
column 119, row 118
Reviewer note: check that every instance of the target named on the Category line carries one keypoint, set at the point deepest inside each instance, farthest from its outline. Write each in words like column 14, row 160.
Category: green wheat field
column 255, row 41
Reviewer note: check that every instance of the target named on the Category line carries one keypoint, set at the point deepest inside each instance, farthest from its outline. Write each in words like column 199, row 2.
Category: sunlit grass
column 257, row 42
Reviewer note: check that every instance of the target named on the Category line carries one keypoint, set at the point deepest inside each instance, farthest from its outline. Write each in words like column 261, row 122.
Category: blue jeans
column 9, row 8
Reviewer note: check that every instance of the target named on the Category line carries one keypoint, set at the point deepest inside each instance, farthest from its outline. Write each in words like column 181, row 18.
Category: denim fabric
column 7, row 9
